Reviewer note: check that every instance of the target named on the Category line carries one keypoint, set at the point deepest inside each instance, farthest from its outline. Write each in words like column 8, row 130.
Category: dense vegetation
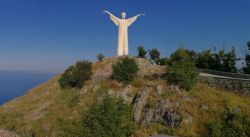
column 231, row 124
column 125, row 70
column 222, row 60
column 181, row 69
column 109, row 117
column 76, row 75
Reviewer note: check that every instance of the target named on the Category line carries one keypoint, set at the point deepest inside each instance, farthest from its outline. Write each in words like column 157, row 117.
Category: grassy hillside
column 46, row 109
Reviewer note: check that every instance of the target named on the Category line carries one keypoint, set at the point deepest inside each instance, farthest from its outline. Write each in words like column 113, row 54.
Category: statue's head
column 123, row 15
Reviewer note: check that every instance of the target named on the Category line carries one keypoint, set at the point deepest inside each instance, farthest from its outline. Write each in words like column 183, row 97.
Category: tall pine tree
column 247, row 59
column 229, row 61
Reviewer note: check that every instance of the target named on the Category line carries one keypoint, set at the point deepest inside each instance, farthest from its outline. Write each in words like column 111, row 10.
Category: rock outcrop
column 162, row 112
column 139, row 103
column 125, row 94
column 165, row 114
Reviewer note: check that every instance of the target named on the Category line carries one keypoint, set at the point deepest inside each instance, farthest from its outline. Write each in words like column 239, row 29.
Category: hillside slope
column 39, row 112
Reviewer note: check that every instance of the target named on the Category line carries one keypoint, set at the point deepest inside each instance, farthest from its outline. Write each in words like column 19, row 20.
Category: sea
column 16, row 83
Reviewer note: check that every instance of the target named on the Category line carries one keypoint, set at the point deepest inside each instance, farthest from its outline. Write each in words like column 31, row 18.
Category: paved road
column 217, row 76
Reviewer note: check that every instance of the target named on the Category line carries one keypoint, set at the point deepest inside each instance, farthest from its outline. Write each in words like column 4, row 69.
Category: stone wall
column 240, row 86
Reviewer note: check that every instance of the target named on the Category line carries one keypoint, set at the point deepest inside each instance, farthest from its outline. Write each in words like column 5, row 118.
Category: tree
column 100, row 57
column 246, row 69
column 76, row 75
column 141, row 52
column 204, row 59
column 180, row 55
column 216, row 62
column 193, row 55
column 222, row 60
column 229, row 62
column 155, row 55
column 181, row 69
column 125, row 70
column 163, row 61
column 210, row 60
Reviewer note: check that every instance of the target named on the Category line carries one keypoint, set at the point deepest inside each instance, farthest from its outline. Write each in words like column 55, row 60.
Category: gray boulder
column 162, row 113
column 139, row 103
column 160, row 110
column 172, row 119
column 148, row 116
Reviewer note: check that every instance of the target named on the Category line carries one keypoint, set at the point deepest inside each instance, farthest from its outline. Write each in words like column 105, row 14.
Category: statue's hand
column 105, row 11
column 140, row 15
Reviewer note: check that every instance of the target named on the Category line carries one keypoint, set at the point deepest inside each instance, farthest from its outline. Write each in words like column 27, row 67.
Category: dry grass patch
column 114, row 85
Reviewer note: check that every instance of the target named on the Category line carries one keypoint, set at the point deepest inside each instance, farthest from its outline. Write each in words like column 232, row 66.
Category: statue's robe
column 123, row 24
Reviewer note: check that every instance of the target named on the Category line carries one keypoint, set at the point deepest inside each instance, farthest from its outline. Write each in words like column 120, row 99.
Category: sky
column 50, row 35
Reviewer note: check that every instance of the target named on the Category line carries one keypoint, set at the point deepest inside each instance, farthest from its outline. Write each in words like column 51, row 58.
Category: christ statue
column 123, row 25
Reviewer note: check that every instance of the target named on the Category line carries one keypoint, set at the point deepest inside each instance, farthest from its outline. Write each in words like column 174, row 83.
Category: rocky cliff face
column 161, row 110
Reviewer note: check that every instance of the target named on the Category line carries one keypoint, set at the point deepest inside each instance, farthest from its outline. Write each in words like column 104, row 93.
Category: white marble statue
column 123, row 25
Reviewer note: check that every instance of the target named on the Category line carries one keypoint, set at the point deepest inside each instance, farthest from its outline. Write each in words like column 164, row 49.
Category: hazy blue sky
column 49, row 35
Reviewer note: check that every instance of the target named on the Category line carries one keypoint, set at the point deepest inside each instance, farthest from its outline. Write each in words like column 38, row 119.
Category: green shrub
column 141, row 52
column 231, row 124
column 155, row 55
column 183, row 74
column 66, row 80
column 110, row 117
column 76, row 75
column 107, row 117
column 125, row 70
column 100, row 57
column 181, row 70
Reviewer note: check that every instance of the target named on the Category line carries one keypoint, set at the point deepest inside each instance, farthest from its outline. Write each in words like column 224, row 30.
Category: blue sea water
column 16, row 83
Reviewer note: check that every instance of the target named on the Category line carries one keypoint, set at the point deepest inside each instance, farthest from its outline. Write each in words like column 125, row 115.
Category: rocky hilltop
column 157, row 107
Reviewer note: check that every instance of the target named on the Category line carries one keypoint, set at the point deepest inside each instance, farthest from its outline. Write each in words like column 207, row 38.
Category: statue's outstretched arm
column 112, row 17
column 133, row 19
